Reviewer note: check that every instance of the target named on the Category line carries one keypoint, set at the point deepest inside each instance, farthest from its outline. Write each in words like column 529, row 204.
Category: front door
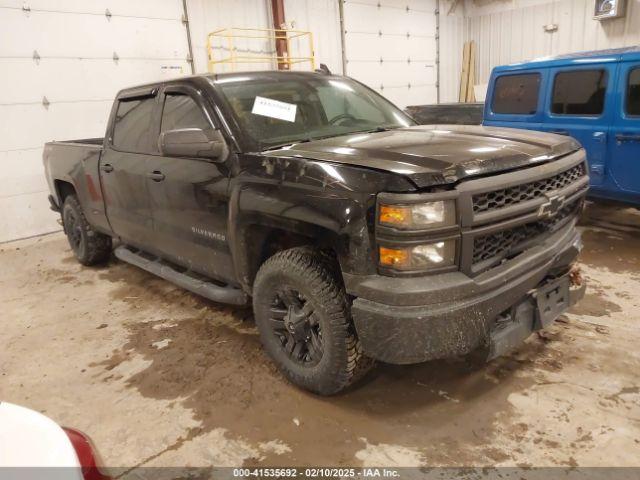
column 624, row 153
column 189, row 195
column 581, row 104
column 124, row 169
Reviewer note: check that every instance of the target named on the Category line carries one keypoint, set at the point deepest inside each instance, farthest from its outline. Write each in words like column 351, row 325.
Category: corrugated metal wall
column 452, row 36
column 512, row 31
column 76, row 71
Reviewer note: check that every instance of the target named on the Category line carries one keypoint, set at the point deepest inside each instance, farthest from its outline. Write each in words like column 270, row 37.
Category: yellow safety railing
column 226, row 38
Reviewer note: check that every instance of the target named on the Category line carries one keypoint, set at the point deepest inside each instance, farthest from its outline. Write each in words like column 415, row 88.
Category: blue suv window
column 633, row 93
column 580, row 92
column 516, row 94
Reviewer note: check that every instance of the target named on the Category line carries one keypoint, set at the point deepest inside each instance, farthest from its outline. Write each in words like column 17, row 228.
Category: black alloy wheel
column 294, row 323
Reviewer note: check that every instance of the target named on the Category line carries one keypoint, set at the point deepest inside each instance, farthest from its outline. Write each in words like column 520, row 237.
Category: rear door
column 124, row 169
column 189, row 195
column 624, row 147
column 580, row 104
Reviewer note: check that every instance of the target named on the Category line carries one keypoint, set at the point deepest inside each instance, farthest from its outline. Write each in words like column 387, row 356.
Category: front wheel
column 303, row 316
column 88, row 245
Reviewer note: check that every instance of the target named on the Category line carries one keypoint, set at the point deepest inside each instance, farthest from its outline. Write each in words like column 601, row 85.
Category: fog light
column 419, row 257
column 391, row 257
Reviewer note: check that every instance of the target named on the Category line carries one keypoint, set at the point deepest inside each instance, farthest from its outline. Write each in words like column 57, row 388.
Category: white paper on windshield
column 274, row 109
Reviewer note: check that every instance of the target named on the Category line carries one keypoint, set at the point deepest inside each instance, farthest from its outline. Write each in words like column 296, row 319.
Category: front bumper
column 412, row 320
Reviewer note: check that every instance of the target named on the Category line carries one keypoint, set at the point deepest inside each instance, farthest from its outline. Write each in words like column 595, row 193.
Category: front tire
column 89, row 246
column 303, row 315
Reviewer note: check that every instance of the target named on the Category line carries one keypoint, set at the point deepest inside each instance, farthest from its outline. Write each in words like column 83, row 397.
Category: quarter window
column 580, row 92
column 516, row 94
column 181, row 111
column 633, row 93
column 131, row 128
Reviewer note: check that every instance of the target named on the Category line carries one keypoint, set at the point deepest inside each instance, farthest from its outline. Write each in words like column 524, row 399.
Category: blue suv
column 591, row 96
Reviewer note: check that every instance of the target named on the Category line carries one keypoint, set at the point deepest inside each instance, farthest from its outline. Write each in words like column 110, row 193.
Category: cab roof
column 145, row 89
column 577, row 58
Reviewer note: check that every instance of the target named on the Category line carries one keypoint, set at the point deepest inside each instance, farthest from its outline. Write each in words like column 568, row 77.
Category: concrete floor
column 160, row 377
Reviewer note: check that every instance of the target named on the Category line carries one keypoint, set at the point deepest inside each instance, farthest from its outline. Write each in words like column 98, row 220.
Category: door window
column 181, row 111
column 133, row 119
column 580, row 92
column 633, row 93
column 516, row 94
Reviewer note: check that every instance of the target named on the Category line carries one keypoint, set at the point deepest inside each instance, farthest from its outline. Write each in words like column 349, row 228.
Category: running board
column 217, row 293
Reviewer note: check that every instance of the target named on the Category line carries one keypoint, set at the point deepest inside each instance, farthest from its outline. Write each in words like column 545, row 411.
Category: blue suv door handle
column 560, row 132
column 621, row 137
column 600, row 137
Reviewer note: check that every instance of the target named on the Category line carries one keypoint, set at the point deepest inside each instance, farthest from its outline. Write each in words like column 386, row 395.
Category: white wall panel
column 391, row 46
column 146, row 9
column 34, row 216
column 25, row 82
column 30, row 126
column 322, row 19
column 79, row 77
column 453, row 28
column 56, row 35
column 209, row 15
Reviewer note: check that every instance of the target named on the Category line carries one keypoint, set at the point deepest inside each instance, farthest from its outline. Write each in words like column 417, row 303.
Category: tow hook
column 575, row 276
column 577, row 285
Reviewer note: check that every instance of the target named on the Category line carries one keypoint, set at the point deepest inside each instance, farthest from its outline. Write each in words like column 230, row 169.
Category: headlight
column 419, row 257
column 418, row 216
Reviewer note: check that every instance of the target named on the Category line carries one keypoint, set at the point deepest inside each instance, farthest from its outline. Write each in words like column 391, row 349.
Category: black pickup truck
column 356, row 234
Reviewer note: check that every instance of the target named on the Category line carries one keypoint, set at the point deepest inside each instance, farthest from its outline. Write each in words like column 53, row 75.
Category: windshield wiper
column 381, row 129
column 310, row 139
column 288, row 144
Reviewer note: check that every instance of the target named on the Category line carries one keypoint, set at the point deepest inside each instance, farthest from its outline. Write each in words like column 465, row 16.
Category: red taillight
column 86, row 455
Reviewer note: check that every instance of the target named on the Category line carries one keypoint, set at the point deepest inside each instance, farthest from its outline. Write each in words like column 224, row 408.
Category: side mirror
column 192, row 142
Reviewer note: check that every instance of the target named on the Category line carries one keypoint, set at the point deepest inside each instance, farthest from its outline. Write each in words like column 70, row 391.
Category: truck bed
column 73, row 165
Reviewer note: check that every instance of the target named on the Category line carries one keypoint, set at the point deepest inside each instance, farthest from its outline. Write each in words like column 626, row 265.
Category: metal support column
column 437, row 51
column 342, row 37
column 279, row 23
column 185, row 20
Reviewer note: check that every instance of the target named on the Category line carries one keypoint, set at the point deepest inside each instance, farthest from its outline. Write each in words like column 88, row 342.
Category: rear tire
column 303, row 315
column 89, row 246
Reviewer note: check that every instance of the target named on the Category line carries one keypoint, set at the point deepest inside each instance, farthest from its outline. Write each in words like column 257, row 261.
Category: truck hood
column 437, row 154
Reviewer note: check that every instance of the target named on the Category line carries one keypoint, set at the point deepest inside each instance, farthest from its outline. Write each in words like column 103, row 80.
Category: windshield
column 280, row 111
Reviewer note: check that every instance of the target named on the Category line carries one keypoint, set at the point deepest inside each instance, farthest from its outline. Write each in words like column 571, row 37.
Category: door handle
column 106, row 167
column 560, row 132
column 156, row 176
column 621, row 137
column 600, row 137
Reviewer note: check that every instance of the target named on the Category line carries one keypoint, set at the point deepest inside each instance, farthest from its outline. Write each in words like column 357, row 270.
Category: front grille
column 512, row 240
column 484, row 202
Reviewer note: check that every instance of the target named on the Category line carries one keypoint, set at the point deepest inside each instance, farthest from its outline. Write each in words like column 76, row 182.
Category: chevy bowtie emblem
column 552, row 206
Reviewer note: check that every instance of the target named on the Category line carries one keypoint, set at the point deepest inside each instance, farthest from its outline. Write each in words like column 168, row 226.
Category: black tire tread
column 97, row 245
column 321, row 271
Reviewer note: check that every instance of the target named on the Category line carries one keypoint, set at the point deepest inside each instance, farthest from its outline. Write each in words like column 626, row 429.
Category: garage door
column 390, row 45
column 62, row 63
